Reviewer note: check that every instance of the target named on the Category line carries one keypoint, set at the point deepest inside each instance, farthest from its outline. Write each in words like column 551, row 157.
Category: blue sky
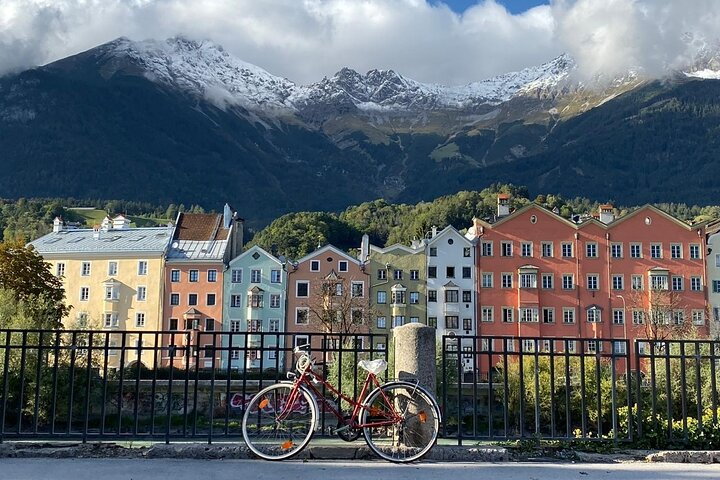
column 514, row 6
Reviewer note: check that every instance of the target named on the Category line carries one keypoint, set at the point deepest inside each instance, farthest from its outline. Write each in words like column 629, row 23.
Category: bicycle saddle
column 373, row 366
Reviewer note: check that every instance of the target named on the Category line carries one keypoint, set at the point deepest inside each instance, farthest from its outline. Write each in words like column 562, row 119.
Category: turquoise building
column 254, row 295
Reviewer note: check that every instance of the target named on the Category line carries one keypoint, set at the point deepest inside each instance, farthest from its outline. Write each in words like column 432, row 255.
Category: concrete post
column 415, row 354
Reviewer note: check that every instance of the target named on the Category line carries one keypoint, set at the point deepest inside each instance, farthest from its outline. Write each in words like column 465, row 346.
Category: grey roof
column 151, row 240
column 213, row 250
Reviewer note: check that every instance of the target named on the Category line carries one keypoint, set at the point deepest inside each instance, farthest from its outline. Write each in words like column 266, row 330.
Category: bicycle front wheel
column 415, row 421
column 279, row 421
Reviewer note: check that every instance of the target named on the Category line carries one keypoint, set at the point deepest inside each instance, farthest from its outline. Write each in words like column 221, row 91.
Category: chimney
column 606, row 213
column 434, row 231
column 57, row 224
column 503, row 205
column 96, row 232
column 364, row 248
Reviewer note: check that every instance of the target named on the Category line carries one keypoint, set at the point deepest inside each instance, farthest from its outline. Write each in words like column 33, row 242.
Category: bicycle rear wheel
column 417, row 423
column 274, row 429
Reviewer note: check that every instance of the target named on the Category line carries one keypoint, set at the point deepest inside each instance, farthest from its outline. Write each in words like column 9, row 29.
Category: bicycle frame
column 308, row 378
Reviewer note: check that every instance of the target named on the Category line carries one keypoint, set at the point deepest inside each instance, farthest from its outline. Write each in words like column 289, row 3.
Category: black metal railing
column 657, row 393
column 155, row 385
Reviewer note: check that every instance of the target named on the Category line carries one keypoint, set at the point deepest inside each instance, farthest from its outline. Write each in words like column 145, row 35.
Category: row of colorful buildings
column 524, row 274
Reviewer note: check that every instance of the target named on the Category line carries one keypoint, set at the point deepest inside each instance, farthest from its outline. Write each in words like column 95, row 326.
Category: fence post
column 415, row 354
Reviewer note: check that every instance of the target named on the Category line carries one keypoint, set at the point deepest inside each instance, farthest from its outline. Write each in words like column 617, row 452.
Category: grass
column 95, row 217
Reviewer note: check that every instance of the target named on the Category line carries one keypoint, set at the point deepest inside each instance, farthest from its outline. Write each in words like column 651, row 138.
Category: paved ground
column 158, row 469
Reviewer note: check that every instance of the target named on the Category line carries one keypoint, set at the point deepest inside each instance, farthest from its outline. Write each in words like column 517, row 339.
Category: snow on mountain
column 706, row 64
column 204, row 69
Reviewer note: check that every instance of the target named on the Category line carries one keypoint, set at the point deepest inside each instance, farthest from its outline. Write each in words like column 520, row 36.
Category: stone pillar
column 415, row 354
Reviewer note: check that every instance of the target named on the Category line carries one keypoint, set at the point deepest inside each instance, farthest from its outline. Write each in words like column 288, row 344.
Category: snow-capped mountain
column 206, row 70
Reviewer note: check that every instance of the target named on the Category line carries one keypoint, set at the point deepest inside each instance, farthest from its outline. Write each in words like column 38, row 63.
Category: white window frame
column 314, row 265
column 591, row 250
column 85, row 269
column 307, row 315
column 567, row 249
column 343, row 266
column 297, row 285
column 487, row 314
column 140, row 319
column 142, row 267
column 236, row 275
column 141, row 293
column 569, row 316
column 487, row 280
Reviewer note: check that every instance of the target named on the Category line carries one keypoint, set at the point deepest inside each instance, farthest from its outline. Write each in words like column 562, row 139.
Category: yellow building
column 113, row 277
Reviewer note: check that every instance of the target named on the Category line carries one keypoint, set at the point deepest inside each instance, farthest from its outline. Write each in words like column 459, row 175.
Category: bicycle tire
column 412, row 437
column 273, row 432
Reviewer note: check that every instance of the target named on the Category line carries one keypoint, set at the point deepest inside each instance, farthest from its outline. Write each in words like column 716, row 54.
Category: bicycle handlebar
column 301, row 348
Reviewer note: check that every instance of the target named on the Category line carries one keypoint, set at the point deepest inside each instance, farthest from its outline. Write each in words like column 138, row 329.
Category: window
column 527, row 345
column 192, row 324
column 548, row 315
column 414, row 297
column 487, row 249
column 397, row 297
column 616, row 250
column 212, row 276
column 433, row 251
column 173, row 324
column 716, row 286
column 507, row 314
column 432, row 322
column 235, row 354
column 568, row 315
column 486, row 344
column 301, row 316
column 112, row 269
column 570, row 346
column 274, row 300
column 506, row 280
column 174, row 299
column 467, row 324
column 618, row 316
column 381, row 322
column 466, row 272
column 236, row 276
column 379, row 346
column 620, row 347
column 342, row 266
column 637, row 282
column 567, row 249
column 111, row 292
column 618, row 282
column 235, row 300
column 591, row 250
column 487, row 280
column 528, row 280
column 254, row 325
column 506, row 249
column 192, row 299
column 315, row 265
column 529, row 315
column 526, row 249
column 695, row 284
column 636, row 250
column 235, row 326
column 658, row 281
column 679, row 317
column 193, row 275
column 547, row 249
column 451, row 321
column 256, row 300
column 381, row 297
column 414, row 274
column 255, row 276
column 594, row 346
column 302, row 289
column 694, row 251
column 467, row 296
column 274, row 325
column 432, row 272
column 110, row 320
column 432, row 295
column 593, row 315
column 210, row 299
column 141, row 293
column 397, row 274
column 677, row 283
column 675, row 250
column 451, row 296
column 487, row 314
column 139, row 319
column 698, row 317
column 655, row 250
column 638, row 317
column 466, row 252
column 547, row 281
column 85, row 269
column 568, row 282
column 357, row 289
column 175, row 276
column 398, row 320
column 84, row 294
column 301, row 340
column 509, row 344
column 382, row 274
column 593, row 280
column 142, row 267
column 449, row 272
column 60, row 269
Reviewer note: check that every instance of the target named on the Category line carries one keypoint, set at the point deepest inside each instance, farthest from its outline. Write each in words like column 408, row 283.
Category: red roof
column 200, row 226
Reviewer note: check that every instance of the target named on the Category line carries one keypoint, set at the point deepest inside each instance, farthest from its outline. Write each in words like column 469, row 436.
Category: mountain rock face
column 184, row 121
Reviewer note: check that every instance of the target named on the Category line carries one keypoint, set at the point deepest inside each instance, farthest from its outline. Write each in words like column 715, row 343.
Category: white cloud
column 304, row 40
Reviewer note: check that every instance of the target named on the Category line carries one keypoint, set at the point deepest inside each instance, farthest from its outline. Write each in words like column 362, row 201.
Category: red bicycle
column 400, row 420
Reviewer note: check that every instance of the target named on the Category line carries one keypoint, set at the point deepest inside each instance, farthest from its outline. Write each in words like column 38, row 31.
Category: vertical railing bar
column 568, row 422
column 38, row 365
column 598, row 387
column 121, row 382
column 536, row 356
column 583, row 408
column 506, row 387
column 196, row 383
column 172, row 353
column 212, row 386
column 6, row 384
column 157, row 353
column 443, row 368
column 138, row 374
column 713, row 378
column 71, row 400
column 521, row 366
column 106, row 350
column 88, row 380
column 668, row 390
column 56, row 360
column 228, row 381
column 553, row 429
column 491, row 392
column 21, row 391
column 698, row 386
column 458, row 363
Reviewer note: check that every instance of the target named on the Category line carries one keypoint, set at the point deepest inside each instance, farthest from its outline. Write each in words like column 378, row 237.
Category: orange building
column 540, row 275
